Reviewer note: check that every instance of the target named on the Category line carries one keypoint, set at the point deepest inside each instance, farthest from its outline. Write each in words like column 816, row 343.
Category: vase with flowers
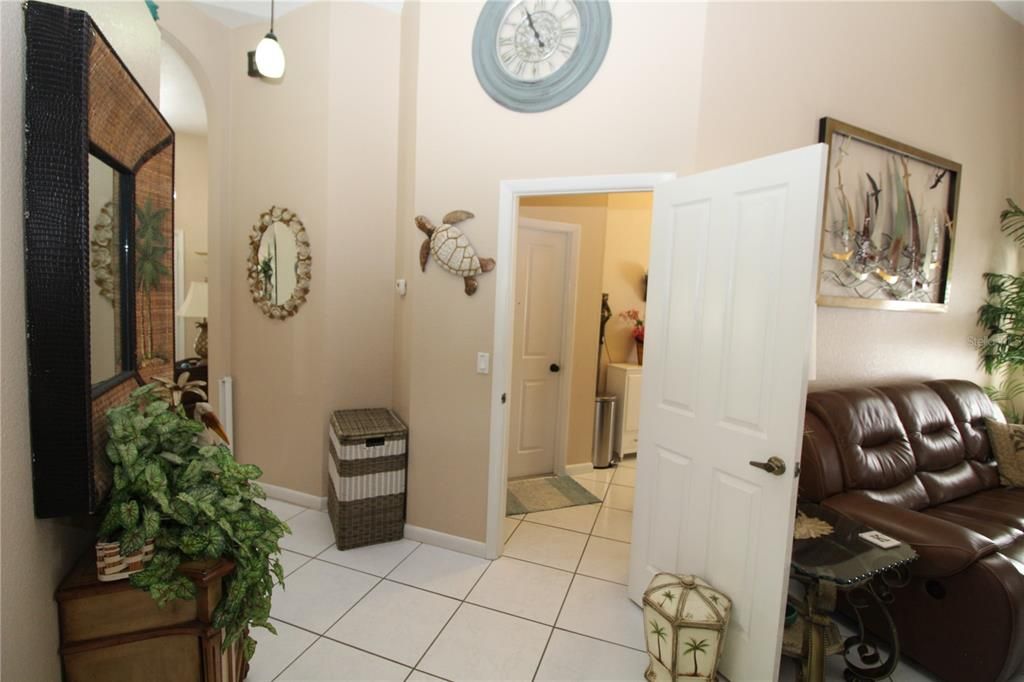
column 632, row 316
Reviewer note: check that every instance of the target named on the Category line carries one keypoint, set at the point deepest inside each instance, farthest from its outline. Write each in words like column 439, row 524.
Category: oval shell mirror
column 280, row 263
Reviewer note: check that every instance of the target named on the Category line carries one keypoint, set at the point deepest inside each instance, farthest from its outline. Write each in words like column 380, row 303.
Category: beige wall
column 681, row 91
column 206, row 47
column 405, row 210
column 191, row 190
column 627, row 250
column 590, row 212
column 945, row 77
column 627, row 120
column 37, row 553
column 322, row 142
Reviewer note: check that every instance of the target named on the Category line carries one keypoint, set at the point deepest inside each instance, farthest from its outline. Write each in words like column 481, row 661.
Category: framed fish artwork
column 889, row 225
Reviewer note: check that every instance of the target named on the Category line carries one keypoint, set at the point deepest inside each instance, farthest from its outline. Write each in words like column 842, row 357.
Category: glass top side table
column 829, row 556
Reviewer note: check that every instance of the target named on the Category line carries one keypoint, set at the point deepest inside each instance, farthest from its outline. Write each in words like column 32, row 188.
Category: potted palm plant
column 1001, row 351
column 189, row 501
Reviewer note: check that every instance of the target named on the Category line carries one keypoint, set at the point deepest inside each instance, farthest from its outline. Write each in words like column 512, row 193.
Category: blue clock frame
column 556, row 89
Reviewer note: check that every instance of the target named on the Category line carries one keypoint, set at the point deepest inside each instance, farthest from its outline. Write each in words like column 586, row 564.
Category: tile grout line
column 465, row 599
column 320, row 636
column 565, row 598
column 462, row 602
column 292, row 662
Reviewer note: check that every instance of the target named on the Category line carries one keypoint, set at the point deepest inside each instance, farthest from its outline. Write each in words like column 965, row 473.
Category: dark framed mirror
column 99, row 169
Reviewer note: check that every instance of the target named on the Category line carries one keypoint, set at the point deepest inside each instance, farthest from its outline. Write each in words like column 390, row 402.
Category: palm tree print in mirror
column 693, row 647
column 659, row 634
column 151, row 250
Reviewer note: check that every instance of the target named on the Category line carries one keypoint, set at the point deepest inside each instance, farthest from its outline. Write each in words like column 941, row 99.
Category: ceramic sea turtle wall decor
column 451, row 249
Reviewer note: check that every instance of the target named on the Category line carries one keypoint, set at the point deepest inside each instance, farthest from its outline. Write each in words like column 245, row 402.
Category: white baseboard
column 445, row 541
column 424, row 535
column 577, row 469
column 295, row 497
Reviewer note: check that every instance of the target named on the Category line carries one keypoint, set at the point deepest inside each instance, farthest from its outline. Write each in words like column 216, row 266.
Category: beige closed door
column 734, row 256
column 542, row 269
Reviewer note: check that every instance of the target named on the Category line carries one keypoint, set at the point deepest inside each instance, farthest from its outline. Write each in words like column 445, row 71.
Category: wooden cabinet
column 624, row 382
column 113, row 631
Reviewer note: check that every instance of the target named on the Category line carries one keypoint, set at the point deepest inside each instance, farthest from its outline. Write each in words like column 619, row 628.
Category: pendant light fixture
column 267, row 60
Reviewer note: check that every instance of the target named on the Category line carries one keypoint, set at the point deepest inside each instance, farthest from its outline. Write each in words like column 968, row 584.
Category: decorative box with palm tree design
column 685, row 620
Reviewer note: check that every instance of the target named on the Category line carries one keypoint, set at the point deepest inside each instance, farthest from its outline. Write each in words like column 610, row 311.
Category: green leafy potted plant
column 191, row 501
column 1002, row 317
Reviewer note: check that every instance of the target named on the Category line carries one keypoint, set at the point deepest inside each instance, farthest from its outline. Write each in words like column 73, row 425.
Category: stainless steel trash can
column 604, row 425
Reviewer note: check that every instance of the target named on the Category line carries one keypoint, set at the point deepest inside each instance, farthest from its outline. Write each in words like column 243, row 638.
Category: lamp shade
column 196, row 302
column 270, row 57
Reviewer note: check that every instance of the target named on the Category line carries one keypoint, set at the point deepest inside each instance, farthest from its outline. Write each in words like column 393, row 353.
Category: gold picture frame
column 889, row 224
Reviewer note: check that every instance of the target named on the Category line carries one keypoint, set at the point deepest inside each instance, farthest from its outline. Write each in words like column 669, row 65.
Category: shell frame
column 304, row 263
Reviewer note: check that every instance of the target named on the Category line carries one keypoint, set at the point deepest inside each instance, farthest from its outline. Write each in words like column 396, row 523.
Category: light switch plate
column 483, row 363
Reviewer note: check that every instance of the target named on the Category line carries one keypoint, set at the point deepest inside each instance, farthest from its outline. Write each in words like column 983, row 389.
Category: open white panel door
column 734, row 256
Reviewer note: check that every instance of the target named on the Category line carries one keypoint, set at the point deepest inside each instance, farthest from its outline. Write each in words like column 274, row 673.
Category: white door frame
column 572, row 271
column 509, row 192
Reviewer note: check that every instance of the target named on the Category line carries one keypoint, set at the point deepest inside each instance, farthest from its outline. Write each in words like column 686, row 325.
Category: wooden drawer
column 112, row 631
column 173, row 657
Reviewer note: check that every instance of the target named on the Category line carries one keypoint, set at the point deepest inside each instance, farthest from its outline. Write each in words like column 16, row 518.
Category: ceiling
column 1015, row 8
column 181, row 100
column 235, row 13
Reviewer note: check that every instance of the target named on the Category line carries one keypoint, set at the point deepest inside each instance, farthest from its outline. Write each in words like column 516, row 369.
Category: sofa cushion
column 970, row 407
column 1000, row 505
column 933, row 434
column 874, row 450
column 944, row 548
column 1001, row 534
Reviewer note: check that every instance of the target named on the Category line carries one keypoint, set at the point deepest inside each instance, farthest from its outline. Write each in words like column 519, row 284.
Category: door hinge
column 502, row 398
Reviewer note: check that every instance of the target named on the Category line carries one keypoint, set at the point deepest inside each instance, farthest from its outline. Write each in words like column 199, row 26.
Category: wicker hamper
column 366, row 461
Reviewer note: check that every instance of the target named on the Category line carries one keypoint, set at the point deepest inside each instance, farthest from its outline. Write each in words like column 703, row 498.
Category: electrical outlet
column 483, row 363
column 400, row 287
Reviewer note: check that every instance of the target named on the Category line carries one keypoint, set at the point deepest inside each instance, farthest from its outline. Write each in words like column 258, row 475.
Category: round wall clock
column 533, row 55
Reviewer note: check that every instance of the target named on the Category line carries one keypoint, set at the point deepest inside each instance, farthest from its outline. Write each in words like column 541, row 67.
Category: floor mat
column 541, row 494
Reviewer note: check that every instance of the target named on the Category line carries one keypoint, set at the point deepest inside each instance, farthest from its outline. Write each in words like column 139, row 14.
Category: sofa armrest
column 943, row 548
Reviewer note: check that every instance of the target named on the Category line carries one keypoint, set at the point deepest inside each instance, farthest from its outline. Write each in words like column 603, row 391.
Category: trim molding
column 427, row 536
column 446, row 541
column 295, row 497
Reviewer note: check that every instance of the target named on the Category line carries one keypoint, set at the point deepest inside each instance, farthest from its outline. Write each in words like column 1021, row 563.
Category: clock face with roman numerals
column 536, row 38
column 533, row 55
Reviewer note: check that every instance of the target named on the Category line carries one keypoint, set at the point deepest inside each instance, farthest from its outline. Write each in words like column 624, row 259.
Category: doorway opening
column 549, row 363
column 577, row 346
column 577, row 333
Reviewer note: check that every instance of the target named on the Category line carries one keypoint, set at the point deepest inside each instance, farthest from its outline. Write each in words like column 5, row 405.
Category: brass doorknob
column 774, row 466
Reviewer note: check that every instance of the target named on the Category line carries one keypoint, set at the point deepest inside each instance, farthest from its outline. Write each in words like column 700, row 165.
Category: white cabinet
column 624, row 382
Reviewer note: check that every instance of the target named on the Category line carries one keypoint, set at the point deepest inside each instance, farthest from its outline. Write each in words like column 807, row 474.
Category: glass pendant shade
column 270, row 57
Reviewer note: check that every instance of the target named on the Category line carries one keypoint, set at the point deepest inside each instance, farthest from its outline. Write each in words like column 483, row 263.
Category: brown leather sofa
column 914, row 462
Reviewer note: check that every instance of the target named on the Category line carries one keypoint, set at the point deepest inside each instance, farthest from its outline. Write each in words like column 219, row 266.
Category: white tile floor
column 554, row 607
